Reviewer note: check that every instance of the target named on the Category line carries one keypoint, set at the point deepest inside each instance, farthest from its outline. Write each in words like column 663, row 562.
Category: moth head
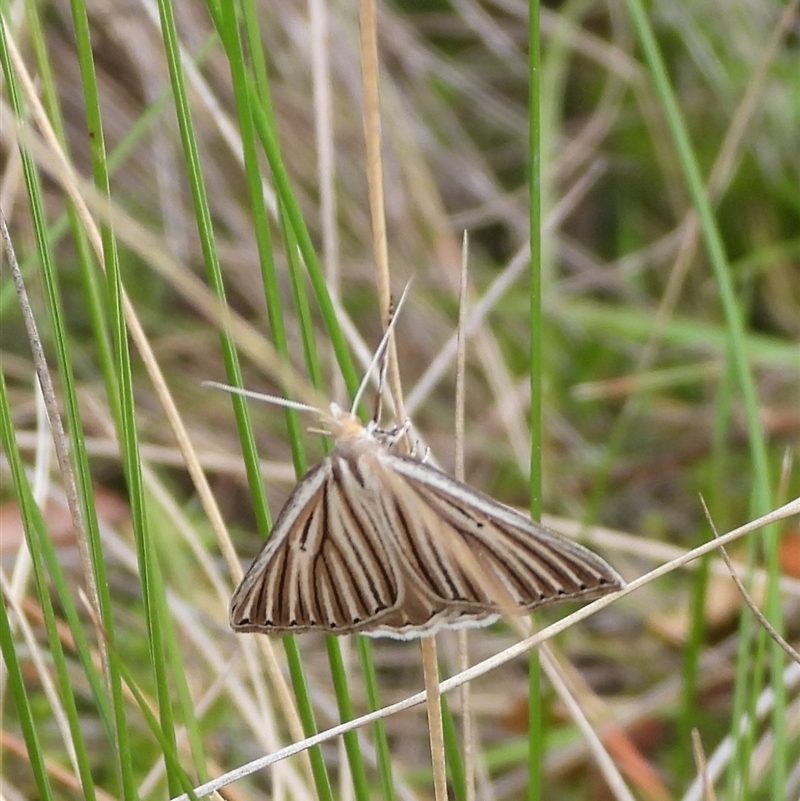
column 344, row 426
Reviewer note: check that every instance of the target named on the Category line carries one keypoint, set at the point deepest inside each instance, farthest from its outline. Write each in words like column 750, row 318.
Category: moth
column 377, row 542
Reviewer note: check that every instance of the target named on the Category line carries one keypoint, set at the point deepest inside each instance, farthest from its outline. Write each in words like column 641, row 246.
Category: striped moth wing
column 382, row 544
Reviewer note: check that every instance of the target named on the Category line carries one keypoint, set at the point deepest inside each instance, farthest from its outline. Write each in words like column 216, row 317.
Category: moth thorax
column 345, row 427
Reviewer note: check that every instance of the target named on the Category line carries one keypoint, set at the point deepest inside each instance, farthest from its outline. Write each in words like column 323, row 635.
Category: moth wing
column 480, row 556
column 321, row 568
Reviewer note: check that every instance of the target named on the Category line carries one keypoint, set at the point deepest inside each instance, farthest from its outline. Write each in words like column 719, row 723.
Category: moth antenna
column 380, row 350
column 381, row 385
column 273, row 399
column 384, row 371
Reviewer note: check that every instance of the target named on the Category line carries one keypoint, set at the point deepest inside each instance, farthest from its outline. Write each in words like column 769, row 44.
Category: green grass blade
column 18, row 691
column 91, row 278
column 690, row 706
column 269, row 142
column 46, row 562
column 19, row 694
column 230, row 36
column 346, row 712
column 153, row 591
column 535, row 738
column 175, row 772
column 229, row 32
column 80, row 461
column 302, row 306
column 213, row 271
column 378, row 730
column 716, row 251
column 452, row 745
column 736, row 334
column 335, row 658
column 612, row 323
column 306, row 711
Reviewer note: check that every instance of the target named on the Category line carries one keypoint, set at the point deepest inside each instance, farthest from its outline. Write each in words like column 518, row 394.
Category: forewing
column 479, row 555
column 322, row 567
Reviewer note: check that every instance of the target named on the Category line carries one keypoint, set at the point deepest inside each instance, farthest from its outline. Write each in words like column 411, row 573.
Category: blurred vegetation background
column 644, row 409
